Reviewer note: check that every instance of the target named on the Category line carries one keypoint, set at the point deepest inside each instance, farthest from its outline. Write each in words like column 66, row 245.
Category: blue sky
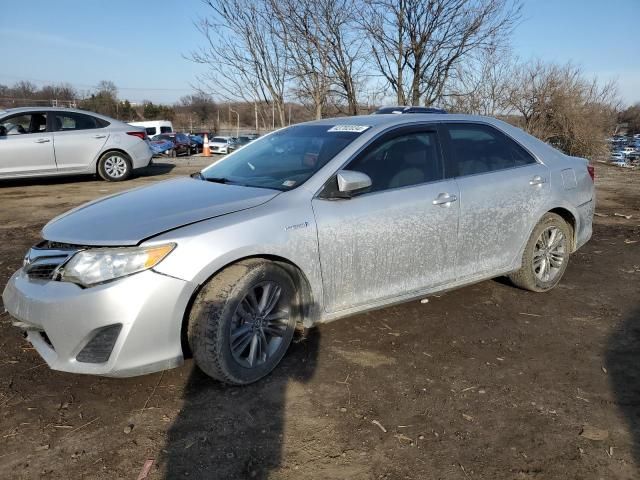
column 140, row 45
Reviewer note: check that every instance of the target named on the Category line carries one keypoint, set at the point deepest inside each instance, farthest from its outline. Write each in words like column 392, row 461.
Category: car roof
column 54, row 109
column 392, row 119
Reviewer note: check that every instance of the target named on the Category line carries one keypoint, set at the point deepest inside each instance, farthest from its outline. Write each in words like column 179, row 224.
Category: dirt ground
column 485, row 382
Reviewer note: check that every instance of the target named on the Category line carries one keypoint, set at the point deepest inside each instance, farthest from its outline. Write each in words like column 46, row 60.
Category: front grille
column 42, row 261
column 41, row 271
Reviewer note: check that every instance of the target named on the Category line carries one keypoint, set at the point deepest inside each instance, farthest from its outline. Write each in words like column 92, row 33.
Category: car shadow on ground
column 225, row 432
column 157, row 167
column 154, row 169
column 623, row 365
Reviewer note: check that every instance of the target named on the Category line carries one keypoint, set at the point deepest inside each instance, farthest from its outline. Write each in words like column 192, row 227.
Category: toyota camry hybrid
column 305, row 225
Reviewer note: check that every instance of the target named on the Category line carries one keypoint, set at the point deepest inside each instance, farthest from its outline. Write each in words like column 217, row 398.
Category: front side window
column 404, row 160
column 23, row 124
column 480, row 148
column 73, row 121
column 165, row 130
column 283, row 160
column 151, row 131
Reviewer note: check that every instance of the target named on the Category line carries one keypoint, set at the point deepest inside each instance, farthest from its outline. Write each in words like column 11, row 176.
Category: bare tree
column 560, row 105
column 481, row 84
column 244, row 54
column 631, row 115
column 345, row 48
column 324, row 49
column 299, row 30
column 416, row 44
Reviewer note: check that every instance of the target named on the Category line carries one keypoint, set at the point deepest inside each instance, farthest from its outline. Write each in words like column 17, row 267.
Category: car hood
column 129, row 217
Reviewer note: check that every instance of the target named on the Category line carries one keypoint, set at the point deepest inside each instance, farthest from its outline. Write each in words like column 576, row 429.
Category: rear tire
column 242, row 321
column 546, row 255
column 114, row 166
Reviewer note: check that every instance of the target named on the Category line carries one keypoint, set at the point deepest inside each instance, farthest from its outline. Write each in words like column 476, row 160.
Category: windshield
column 284, row 159
column 219, row 139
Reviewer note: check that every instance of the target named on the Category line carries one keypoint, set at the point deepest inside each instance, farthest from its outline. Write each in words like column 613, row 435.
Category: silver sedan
column 36, row 142
column 309, row 224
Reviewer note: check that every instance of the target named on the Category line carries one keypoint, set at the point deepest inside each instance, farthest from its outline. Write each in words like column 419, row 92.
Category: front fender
column 205, row 248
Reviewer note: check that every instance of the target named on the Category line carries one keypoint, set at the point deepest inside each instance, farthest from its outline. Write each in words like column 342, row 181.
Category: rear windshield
column 162, row 137
column 284, row 159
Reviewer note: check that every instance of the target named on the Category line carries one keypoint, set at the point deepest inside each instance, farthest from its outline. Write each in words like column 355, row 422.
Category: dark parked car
column 243, row 140
column 181, row 143
column 197, row 143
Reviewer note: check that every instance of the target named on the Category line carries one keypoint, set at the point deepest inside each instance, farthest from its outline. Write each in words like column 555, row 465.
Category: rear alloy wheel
column 242, row 321
column 114, row 166
column 546, row 255
column 549, row 253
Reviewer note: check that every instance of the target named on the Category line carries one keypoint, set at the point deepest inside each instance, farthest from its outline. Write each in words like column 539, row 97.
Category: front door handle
column 42, row 140
column 537, row 180
column 99, row 136
column 444, row 199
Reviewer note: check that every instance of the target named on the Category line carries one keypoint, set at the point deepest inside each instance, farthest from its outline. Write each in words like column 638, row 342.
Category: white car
column 621, row 163
column 222, row 145
column 617, row 156
column 628, row 150
column 37, row 142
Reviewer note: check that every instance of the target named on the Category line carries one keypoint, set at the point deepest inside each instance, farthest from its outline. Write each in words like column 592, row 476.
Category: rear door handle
column 537, row 180
column 99, row 136
column 444, row 199
column 42, row 140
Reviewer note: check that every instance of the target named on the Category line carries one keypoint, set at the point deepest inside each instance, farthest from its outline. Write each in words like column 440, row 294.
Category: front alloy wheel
column 243, row 320
column 259, row 324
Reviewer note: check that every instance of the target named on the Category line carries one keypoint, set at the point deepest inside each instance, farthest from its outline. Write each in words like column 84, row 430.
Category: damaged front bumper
column 123, row 328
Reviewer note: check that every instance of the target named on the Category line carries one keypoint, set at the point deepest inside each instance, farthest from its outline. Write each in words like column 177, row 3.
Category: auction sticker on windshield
column 349, row 128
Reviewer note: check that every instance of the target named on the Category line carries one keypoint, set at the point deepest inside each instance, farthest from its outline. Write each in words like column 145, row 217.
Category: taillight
column 592, row 172
column 140, row 135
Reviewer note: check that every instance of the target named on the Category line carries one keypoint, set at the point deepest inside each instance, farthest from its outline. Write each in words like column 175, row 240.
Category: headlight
column 97, row 265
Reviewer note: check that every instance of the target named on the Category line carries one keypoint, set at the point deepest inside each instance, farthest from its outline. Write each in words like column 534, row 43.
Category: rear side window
column 102, row 123
column 481, row 148
column 401, row 161
column 165, row 130
column 66, row 121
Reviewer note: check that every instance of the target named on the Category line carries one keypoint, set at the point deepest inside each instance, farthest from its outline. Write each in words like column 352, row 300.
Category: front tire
column 242, row 321
column 546, row 255
column 114, row 166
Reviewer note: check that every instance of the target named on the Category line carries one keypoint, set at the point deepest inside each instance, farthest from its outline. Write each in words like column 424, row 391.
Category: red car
column 181, row 143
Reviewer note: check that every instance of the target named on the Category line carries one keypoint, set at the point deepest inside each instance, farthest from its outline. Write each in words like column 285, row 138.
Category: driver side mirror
column 351, row 182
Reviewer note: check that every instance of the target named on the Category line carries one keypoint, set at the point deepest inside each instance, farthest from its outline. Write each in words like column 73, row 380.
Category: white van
column 155, row 127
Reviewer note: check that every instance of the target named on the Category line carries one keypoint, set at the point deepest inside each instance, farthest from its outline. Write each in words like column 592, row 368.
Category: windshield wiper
column 217, row 179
